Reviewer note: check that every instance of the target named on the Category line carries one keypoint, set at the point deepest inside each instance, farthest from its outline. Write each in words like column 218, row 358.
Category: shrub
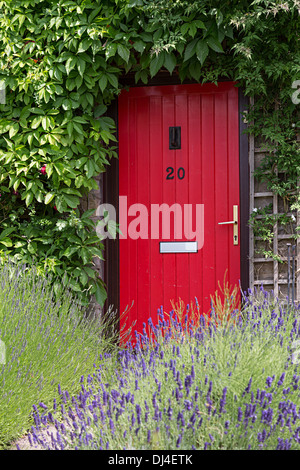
column 219, row 387
column 48, row 342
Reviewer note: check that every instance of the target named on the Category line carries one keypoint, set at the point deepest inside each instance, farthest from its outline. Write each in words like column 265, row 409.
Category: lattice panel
column 270, row 272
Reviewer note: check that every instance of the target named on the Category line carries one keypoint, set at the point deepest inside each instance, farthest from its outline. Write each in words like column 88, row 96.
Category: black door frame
column 111, row 193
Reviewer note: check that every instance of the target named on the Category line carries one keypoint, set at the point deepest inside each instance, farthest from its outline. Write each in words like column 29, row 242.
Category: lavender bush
column 234, row 386
column 46, row 343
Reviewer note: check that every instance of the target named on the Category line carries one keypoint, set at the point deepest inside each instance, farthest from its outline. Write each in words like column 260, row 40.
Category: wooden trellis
column 269, row 272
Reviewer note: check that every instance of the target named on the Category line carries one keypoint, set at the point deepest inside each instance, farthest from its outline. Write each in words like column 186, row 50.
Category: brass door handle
column 235, row 224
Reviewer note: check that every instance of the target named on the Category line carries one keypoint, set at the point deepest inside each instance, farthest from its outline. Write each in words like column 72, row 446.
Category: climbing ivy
column 62, row 64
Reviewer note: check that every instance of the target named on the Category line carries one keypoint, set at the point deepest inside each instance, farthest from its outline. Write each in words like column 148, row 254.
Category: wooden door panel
column 204, row 172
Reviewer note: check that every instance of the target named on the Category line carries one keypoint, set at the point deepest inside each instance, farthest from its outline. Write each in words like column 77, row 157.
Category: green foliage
column 47, row 343
column 54, row 137
column 62, row 63
column 224, row 387
column 262, row 221
column 61, row 246
column 269, row 58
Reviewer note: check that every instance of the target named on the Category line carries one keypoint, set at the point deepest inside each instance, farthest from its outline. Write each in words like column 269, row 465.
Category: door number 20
column 170, row 173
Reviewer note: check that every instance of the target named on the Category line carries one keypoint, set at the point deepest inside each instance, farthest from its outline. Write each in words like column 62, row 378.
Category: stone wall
column 93, row 201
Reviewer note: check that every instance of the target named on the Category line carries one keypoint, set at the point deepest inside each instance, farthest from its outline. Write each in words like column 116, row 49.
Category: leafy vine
column 62, row 63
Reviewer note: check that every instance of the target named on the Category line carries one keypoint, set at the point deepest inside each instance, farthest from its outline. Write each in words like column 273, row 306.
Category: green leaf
column 94, row 251
column 59, row 90
column 113, row 80
column 111, row 50
column 13, row 130
column 214, row 44
column 139, row 46
column 199, row 24
column 30, row 139
column 20, row 244
column 170, row 62
column 70, row 128
column 45, row 123
column 71, row 201
column 71, row 83
column 70, row 251
column 123, row 52
column 193, row 30
column 90, row 168
column 74, row 239
column 90, row 98
column 32, row 247
column 81, row 66
column 99, row 110
column 6, row 242
column 78, row 128
column 229, row 32
column 83, row 278
column 78, row 81
column 37, row 111
column 84, row 45
column 184, row 28
column 6, row 232
column 202, row 51
column 80, row 119
column 49, row 197
column 103, row 82
column 85, row 255
column 100, row 294
column 39, row 196
column 29, row 198
column 195, row 69
column 157, row 34
column 70, row 64
column 190, row 50
column 90, row 272
column 71, row 191
column 16, row 184
column 67, row 104
column 87, row 214
column 36, row 122
column 157, row 63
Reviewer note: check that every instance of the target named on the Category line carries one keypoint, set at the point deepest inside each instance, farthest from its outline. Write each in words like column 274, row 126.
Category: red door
column 178, row 181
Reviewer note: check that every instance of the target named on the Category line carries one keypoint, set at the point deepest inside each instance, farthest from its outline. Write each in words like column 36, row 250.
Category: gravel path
column 24, row 444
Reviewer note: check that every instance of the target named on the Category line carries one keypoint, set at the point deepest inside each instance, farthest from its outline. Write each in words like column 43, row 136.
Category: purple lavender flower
column 269, row 381
column 223, row 401
column 281, row 379
column 209, row 389
column 112, row 426
column 179, row 441
column 42, row 405
column 247, row 389
column 188, row 382
column 170, row 412
column 180, row 419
